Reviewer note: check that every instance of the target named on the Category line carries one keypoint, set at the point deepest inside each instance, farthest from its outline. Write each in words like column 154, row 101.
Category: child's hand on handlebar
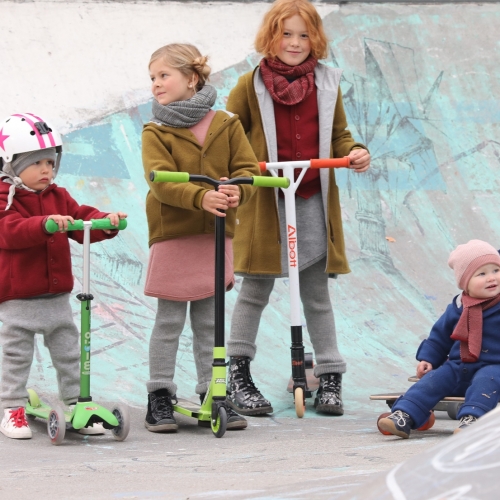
column 213, row 200
column 114, row 218
column 61, row 221
column 232, row 192
column 360, row 160
column 422, row 368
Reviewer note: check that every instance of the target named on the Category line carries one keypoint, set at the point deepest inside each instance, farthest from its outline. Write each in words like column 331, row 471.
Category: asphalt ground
column 274, row 458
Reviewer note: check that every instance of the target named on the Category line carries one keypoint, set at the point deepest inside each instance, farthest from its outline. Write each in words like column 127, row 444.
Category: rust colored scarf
column 469, row 329
column 288, row 84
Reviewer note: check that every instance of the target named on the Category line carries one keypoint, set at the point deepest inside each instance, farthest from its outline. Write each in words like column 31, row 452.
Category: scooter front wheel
column 56, row 425
column 220, row 425
column 300, row 405
column 122, row 415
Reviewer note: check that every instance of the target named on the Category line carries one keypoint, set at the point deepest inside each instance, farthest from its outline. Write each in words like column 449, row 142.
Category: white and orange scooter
column 300, row 361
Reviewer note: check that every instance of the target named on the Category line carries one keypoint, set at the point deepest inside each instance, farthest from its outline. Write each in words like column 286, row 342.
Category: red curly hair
column 271, row 30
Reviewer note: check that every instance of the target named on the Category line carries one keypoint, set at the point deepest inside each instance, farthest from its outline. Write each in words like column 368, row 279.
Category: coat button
column 51, row 240
column 298, row 136
column 204, row 155
column 55, row 281
column 297, row 117
column 298, row 155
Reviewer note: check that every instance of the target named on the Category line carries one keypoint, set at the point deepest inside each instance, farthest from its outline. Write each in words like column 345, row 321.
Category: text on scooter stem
column 292, row 244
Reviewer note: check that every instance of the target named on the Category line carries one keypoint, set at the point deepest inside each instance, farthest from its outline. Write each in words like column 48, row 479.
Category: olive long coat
column 257, row 237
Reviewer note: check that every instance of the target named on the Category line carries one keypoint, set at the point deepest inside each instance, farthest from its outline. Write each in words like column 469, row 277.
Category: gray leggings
column 164, row 343
column 254, row 297
column 22, row 319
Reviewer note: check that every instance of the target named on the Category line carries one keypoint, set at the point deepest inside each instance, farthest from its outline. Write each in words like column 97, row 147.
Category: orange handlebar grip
column 331, row 162
column 262, row 165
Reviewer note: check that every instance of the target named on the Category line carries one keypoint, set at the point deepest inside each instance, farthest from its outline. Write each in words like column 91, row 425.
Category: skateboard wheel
column 452, row 410
column 308, row 360
column 430, row 422
column 383, row 415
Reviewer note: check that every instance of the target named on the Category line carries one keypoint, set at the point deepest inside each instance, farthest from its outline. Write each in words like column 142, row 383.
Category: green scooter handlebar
column 52, row 227
column 258, row 180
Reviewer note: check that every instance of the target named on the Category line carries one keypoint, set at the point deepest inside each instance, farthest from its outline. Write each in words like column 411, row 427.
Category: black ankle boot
column 242, row 395
column 329, row 395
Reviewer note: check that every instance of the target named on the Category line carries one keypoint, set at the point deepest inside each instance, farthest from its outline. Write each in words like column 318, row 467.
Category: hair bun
column 201, row 66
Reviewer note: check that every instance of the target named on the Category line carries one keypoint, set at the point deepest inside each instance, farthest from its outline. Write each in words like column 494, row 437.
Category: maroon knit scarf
column 277, row 76
column 469, row 329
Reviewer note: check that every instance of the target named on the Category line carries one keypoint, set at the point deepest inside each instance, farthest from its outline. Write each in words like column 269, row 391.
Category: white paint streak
column 76, row 61
column 392, row 484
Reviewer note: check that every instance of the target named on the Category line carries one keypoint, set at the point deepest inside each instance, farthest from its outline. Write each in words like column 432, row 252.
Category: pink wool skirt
column 183, row 269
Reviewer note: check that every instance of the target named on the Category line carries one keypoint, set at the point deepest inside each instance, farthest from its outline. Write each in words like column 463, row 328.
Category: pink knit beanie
column 466, row 259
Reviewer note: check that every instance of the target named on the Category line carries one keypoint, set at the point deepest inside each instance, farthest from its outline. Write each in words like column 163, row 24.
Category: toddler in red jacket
column 35, row 266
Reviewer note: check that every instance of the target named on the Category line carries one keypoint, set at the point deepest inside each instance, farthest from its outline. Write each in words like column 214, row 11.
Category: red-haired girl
column 291, row 108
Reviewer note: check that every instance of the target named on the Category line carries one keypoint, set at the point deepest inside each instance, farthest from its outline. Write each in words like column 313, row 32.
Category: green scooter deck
column 191, row 409
column 43, row 411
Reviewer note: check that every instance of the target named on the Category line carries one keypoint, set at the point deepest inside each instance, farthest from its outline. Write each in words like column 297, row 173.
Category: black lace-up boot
column 242, row 395
column 234, row 421
column 160, row 415
column 329, row 396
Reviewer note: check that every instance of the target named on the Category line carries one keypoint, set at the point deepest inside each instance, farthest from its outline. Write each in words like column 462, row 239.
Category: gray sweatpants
column 21, row 320
column 254, row 297
column 164, row 342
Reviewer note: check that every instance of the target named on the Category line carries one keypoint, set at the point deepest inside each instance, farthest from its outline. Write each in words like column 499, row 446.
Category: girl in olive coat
column 186, row 135
column 291, row 108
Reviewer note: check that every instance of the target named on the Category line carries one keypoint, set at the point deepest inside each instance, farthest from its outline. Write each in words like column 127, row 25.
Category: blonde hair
column 271, row 30
column 187, row 59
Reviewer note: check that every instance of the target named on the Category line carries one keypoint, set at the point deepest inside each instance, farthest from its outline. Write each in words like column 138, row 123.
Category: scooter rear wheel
column 56, row 425
column 300, row 405
column 122, row 415
column 219, row 429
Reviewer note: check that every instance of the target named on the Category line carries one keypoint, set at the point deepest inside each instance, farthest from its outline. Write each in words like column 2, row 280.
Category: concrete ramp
column 420, row 88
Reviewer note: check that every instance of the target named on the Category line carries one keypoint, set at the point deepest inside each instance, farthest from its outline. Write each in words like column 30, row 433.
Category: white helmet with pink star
column 23, row 132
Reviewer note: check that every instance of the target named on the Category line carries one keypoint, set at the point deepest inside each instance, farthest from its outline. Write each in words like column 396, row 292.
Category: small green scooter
column 213, row 408
column 85, row 412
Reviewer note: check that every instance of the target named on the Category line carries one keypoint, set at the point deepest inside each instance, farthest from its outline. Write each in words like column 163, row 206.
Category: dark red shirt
column 297, row 132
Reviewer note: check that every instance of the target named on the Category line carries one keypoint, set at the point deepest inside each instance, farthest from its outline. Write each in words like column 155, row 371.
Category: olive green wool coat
column 174, row 209
column 257, row 239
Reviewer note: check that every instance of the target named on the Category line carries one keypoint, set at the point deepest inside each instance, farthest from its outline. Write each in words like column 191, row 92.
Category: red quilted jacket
column 33, row 262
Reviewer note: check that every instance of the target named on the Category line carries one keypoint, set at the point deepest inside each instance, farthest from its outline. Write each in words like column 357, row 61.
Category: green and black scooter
column 85, row 412
column 214, row 409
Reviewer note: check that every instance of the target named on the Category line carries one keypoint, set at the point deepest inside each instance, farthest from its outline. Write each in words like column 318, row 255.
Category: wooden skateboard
column 449, row 404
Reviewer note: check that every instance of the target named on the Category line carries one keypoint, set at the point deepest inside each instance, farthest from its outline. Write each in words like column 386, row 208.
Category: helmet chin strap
column 8, row 176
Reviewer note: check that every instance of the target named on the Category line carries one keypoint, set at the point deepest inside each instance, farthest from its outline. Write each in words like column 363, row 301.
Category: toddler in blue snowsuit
column 461, row 356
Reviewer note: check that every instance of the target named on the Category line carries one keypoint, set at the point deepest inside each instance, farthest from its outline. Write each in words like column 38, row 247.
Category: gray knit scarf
column 185, row 114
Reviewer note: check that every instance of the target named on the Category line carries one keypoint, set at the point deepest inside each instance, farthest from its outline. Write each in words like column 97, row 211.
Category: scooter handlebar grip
column 331, row 162
column 156, row 176
column 106, row 224
column 267, row 181
column 52, row 227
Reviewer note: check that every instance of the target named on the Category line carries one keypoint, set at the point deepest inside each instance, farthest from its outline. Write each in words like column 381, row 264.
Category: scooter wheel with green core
column 122, row 415
column 56, row 425
column 220, row 426
column 300, row 407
